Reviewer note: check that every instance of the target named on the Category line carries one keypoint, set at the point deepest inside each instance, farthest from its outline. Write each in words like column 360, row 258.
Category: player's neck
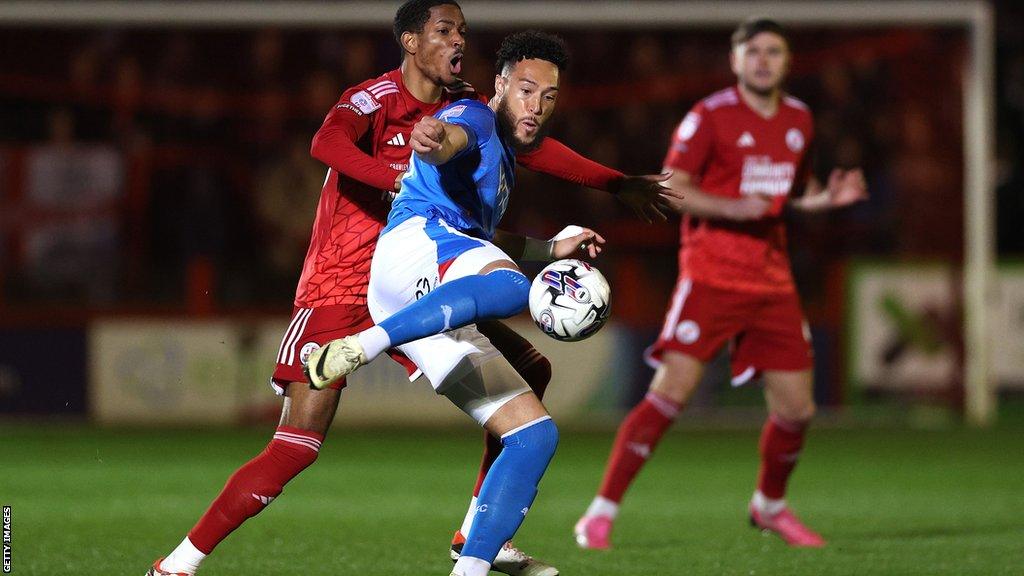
column 765, row 105
column 422, row 88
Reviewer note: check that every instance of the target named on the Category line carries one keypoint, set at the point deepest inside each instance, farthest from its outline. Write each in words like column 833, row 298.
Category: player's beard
column 507, row 123
column 762, row 92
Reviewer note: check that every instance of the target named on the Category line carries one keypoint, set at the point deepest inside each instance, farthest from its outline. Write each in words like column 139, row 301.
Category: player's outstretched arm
column 571, row 241
column 641, row 193
column 649, row 196
column 436, row 141
column 694, row 201
column 845, row 187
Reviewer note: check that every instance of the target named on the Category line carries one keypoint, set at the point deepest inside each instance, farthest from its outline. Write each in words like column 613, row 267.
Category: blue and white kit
column 439, row 230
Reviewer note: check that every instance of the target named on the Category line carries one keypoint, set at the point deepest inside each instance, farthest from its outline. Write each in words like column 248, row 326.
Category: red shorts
column 310, row 329
column 765, row 331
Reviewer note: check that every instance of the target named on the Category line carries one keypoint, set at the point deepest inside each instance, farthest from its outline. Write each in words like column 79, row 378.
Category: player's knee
column 540, row 439
column 807, row 412
column 507, row 293
column 676, row 379
column 798, row 413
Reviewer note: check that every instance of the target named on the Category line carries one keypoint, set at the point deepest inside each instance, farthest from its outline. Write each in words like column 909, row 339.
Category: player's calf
column 508, row 492
column 247, row 492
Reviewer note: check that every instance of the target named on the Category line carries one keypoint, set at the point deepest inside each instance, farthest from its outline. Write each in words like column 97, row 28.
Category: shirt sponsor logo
column 364, row 102
column 762, row 176
column 688, row 127
column 795, row 140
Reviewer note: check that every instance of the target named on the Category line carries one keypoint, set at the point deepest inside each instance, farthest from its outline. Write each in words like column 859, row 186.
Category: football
column 570, row 300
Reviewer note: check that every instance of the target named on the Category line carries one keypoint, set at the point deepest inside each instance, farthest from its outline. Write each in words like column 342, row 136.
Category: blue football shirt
column 469, row 191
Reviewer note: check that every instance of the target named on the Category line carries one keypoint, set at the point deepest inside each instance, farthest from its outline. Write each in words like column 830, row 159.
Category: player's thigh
column 677, row 376
column 492, row 393
column 308, row 409
column 699, row 321
column 777, row 339
column 512, row 345
column 789, row 394
column 417, row 255
column 309, row 329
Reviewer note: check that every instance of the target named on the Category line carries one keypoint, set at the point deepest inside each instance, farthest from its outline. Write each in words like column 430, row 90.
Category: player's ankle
column 602, row 506
column 374, row 341
column 184, row 559
column 765, row 505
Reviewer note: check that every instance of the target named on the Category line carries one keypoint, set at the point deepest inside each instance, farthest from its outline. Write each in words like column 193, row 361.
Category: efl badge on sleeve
column 364, row 102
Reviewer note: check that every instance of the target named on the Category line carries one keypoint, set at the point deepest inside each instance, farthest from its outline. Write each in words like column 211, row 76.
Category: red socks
column 536, row 370
column 638, row 434
column 780, row 446
column 253, row 486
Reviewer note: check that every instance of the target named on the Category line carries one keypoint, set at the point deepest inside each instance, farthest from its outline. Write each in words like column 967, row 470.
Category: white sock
column 602, row 506
column 467, row 522
column 469, row 566
column 374, row 340
column 766, row 505
column 185, row 558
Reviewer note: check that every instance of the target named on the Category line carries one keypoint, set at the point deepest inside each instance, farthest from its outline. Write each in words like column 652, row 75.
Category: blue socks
column 498, row 294
column 510, row 487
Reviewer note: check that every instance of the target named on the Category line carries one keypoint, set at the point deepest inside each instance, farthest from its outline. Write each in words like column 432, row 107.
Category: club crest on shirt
column 364, row 102
column 795, row 139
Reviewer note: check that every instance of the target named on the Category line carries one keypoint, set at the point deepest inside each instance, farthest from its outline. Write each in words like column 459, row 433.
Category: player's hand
column 427, row 135
column 586, row 242
column 648, row 196
column 752, row 207
column 846, row 187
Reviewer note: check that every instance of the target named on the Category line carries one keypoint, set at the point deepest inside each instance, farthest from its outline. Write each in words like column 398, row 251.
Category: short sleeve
column 475, row 117
column 691, row 142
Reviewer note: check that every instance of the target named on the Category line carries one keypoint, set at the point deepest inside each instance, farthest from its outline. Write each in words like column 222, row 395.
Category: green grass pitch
column 891, row 502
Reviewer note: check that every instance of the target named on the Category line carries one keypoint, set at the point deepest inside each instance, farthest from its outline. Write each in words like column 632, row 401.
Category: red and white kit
column 735, row 283
column 365, row 142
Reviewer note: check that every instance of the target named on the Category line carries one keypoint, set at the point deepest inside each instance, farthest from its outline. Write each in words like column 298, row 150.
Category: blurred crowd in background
column 169, row 169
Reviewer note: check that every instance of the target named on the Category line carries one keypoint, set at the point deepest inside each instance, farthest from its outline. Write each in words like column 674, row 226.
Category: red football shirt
column 378, row 116
column 731, row 151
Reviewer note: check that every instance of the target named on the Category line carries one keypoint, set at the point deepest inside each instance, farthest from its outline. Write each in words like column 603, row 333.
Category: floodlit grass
column 890, row 502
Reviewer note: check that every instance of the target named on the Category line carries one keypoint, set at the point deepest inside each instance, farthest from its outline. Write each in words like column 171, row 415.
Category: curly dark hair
column 532, row 44
column 413, row 15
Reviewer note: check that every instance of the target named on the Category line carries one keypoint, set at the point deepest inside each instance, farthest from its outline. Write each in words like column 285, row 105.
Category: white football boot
column 334, row 361
column 510, row 560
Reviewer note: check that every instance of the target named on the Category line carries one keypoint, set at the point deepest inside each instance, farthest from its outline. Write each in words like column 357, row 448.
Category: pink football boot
column 788, row 527
column 593, row 532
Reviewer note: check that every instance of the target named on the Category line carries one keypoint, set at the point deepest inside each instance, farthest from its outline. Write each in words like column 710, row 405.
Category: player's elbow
column 318, row 148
